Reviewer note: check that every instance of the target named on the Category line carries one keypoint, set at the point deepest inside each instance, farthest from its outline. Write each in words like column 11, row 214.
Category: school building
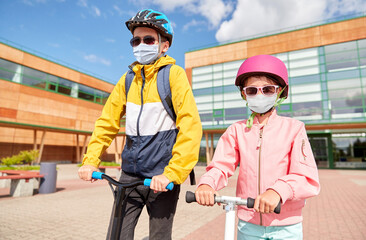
column 327, row 77
column 49, row 107
column 52, row 107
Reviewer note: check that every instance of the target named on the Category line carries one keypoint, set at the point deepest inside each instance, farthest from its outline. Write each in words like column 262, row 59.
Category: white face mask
column 260, row 103
column 145, row 54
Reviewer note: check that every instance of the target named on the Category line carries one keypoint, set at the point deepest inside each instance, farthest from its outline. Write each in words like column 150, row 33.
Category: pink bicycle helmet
column 267, row 65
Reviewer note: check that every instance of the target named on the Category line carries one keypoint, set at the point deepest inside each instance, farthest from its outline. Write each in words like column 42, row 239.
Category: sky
column 91, row 36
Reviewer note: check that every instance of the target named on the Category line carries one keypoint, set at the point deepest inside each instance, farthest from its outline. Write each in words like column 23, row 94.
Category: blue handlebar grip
column 97, row 175
column 147, row 182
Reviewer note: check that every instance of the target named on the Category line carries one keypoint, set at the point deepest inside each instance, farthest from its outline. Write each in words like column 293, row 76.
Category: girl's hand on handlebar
column 85, row 172
column 159, row 183
column 205, row 195
column 267, row 201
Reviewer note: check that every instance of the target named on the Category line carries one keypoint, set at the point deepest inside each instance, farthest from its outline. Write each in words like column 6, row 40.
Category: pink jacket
column 277, row 156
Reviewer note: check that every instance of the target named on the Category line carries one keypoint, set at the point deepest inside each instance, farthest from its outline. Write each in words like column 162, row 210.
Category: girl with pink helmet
column 274, row 154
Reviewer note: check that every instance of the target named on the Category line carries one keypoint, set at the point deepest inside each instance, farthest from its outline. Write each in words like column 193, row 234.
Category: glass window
column 341, row 65
column 8, row 75
column 205, row 107
column 341, row 56
column 29, row 72
column 361, row 43
column 307, row 108
column 86, row 93
column 234, row 65
column 340, row 47
column 284, row 107
column 34, row 78
column 308, row 97
column 304, row 71
column 301, row 54
column 348, row 102
column 201, row 70
column 343, row 74
column 306, row 88
column 203, row 91
column 200, row 85
column 240, row 111
column 304, row 79
column 64, row 86
column 201, row 78
column 9, row 70
column 344, row 93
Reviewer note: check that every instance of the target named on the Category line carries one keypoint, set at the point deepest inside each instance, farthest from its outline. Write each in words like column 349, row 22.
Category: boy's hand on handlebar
column 267, row 201
column 205, row 195
column 159, row 183
column 85, row 172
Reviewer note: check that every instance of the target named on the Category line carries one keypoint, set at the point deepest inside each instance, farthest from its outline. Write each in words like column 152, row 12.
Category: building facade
column 41, row 96
column 327, row 78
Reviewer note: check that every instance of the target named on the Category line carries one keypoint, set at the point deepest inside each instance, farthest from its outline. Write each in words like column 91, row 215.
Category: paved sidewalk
column 81, row 210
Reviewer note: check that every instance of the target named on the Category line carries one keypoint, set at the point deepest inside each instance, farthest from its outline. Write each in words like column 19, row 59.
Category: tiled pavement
column 81, row 210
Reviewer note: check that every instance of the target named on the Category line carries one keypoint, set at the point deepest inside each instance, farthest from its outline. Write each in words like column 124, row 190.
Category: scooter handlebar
column 191, row 197
column 146, row 182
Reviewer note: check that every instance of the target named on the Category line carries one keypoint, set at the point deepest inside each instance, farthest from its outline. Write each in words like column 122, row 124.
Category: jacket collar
column 272, row 118
column 162, row 61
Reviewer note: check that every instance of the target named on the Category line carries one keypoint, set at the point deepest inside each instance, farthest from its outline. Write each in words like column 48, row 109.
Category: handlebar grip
column 190, row 197
column 250, row 204
column 97, row 175
column 147, row 182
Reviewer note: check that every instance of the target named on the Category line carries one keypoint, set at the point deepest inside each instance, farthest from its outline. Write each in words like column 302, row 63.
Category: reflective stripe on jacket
column 155, row 144
column 276, row 156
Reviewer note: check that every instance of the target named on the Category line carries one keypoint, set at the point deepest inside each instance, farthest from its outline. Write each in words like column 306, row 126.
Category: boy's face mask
column 146, row 54
column 261, row 103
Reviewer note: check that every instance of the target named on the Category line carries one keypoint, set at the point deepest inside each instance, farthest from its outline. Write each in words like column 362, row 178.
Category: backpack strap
column 165, row 94
column 129, row 78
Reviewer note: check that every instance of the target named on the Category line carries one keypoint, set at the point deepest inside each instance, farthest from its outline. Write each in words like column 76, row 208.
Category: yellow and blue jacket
column 155, row 144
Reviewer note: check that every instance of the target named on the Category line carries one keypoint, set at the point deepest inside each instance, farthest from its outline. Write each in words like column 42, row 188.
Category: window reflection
column 21, row 74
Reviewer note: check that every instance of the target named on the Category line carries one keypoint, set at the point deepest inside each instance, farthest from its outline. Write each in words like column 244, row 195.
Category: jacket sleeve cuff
column 207, row 180
column 91, row 161
column 284, row 190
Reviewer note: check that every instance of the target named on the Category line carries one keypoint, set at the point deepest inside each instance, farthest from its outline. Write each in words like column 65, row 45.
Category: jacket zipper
column 139, row 116
column 259, row 167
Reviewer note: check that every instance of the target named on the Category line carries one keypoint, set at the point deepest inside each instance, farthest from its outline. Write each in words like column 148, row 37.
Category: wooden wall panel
column 11, row 54
column 350, row 30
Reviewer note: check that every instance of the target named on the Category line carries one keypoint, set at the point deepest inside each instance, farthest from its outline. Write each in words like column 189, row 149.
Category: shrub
column 24, row 157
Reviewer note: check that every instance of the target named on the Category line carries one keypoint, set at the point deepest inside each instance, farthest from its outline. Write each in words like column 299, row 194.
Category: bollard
column 48, row 182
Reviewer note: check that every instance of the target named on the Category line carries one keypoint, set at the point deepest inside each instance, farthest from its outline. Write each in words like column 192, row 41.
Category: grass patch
column 24, row 168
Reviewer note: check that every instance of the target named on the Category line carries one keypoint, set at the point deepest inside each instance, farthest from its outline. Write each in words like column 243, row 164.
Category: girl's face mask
column 146, row 54
column 261, row 103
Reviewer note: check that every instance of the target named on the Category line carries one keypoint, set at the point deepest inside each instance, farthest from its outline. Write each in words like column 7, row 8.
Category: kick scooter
column 229, row 207
column 119, row 193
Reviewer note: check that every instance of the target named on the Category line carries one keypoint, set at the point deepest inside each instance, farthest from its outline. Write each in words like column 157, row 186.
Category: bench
column 22, row 182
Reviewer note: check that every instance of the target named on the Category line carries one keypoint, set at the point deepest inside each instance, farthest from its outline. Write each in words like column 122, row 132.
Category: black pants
column 161, row 208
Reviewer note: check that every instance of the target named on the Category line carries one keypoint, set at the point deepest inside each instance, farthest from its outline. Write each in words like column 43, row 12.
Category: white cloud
column 110, row 40
column 93, row 10
column 83, row 3
column 261, row 16
column 213, row 10
column 95, row 59
column 96, row 11
column 193, row 23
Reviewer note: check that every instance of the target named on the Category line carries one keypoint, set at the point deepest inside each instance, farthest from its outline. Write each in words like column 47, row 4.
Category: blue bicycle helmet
column 152, row 19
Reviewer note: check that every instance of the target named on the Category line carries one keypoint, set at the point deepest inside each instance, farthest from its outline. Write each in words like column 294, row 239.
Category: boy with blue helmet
column 157, row 146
